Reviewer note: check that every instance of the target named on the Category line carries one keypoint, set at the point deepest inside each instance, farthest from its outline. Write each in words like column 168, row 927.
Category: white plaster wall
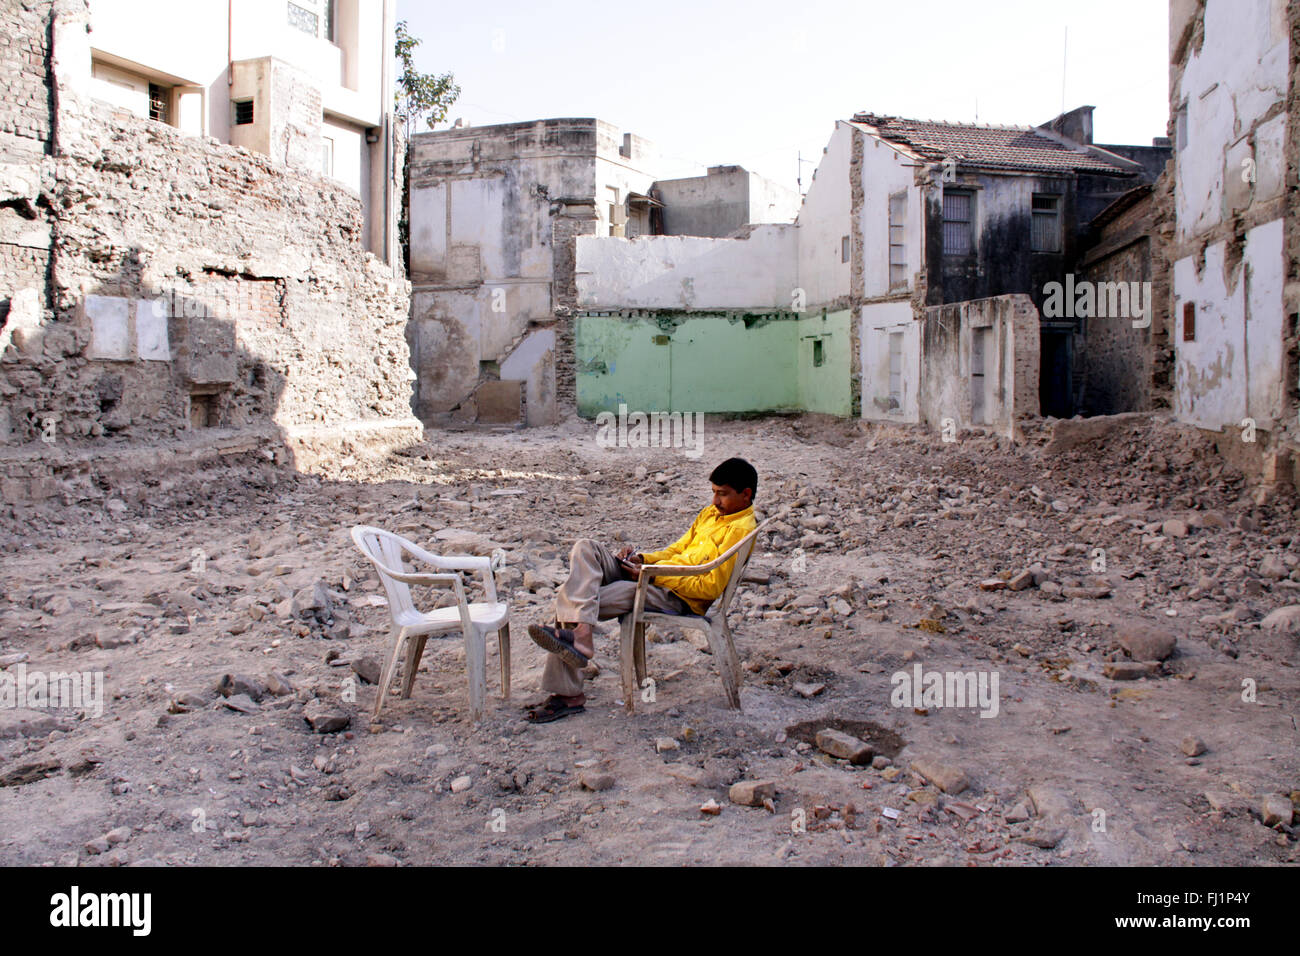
column 885, row 171
column 533, row 363
column 477, row 214
column 823, row 220
column 688, row 272
column 1234, row 368
column 771, row 202
column 349, row 147
column 879, row 320
column 193, row 43
column 1238, row 74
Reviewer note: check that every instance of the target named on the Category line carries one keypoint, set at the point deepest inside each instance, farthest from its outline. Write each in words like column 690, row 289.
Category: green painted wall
column 711, row 362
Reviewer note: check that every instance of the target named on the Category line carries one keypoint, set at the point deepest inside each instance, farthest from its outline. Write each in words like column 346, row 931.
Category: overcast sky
column 755, row 82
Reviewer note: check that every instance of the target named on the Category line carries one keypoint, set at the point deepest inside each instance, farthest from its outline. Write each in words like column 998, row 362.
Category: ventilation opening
column 205, row 409
column 1189, row 321
column 819, row 354
column 243, row 113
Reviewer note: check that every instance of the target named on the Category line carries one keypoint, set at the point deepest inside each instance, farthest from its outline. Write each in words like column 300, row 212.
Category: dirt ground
column 890, row 549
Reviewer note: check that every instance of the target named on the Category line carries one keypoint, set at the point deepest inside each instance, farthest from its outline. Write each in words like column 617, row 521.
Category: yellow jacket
column 710, row 534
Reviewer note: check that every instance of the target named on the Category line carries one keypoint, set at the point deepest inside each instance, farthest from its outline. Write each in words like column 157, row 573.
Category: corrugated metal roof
column 1019, row 148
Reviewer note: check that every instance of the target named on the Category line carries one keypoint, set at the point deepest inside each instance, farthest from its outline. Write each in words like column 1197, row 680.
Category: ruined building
column 1235, row 250
column 996, row 211
column 909, row 288
column 197, row 232
column 494, row 213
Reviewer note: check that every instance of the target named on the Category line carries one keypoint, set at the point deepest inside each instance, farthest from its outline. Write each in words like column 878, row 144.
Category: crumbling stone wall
column 25, row 96
column 190, row 284
column 1127, row 368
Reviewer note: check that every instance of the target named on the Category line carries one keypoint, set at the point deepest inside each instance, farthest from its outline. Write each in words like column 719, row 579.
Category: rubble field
column 1133, row 602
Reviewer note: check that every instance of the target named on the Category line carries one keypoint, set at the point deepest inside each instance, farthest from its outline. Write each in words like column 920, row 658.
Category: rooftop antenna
column 799, row 173
column 1065, row 49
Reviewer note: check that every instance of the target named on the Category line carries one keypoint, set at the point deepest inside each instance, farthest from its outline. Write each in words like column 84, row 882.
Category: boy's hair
column 737, row 474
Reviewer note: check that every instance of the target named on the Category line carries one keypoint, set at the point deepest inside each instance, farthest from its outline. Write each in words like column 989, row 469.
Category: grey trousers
column 596, row 591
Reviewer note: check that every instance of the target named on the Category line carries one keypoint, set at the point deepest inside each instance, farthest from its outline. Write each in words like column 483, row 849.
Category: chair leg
column 414, row 651
column 627, row 661
column 724, row 653
column 638, row 654
column 390, row 665
column 476, row 666
column 503, row 642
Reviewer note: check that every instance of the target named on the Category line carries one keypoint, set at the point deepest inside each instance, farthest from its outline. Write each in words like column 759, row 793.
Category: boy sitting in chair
column 602, row 585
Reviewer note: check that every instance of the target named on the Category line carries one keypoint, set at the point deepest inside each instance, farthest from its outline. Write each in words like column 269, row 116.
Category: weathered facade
column 1235, row 250
column 1126, row 366
column 159, row 286
column 970, row 212
column 495, row 212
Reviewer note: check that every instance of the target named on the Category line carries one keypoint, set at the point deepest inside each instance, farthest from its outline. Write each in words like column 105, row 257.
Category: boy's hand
column 629, row 556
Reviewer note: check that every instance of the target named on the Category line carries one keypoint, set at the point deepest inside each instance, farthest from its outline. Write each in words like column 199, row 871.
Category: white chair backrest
column 384, row 549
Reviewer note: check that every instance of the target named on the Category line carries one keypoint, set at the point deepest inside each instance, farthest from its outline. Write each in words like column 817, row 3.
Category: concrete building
column 307, row 82
column 1236, row 244
column 494, row 213
column 166, row 295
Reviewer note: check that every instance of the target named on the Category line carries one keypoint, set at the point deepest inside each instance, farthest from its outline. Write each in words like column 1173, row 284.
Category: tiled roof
column 987, row 147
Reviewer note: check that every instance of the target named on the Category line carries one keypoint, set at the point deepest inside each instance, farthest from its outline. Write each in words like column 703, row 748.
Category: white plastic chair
column 385, row 550
column 713, row 622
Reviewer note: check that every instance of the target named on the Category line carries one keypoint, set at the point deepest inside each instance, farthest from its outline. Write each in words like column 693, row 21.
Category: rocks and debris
column 905, row 555
column 752, row 793
column 844, row 746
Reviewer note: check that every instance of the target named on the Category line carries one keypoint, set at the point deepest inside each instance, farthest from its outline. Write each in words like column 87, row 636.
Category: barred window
column 897, row 246
column 958, row 221
column 160, row 103
column 1045, row 231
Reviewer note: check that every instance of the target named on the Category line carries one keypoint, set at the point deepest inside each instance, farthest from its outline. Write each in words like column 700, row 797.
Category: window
column 160, row 101
column 331, row 21
column 1045, row 230
column 304, row 20
column 844, row 249
column 617, row 214
column 1189, row 321
column 819, row 354
column 1180, row 128
column 327, row 156
column 897, row 247
column 958, row 219
column 243, row 112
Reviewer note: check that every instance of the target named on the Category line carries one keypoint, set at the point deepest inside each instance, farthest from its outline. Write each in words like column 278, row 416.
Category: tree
column 421, row 97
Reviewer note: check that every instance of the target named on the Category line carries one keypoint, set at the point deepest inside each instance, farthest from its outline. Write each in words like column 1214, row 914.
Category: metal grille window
column 958, row 219
column 897, row 248
column 1045, row 231
column 1189, row 321
column 159, row 103
column 304, row 20
column 244, row 113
